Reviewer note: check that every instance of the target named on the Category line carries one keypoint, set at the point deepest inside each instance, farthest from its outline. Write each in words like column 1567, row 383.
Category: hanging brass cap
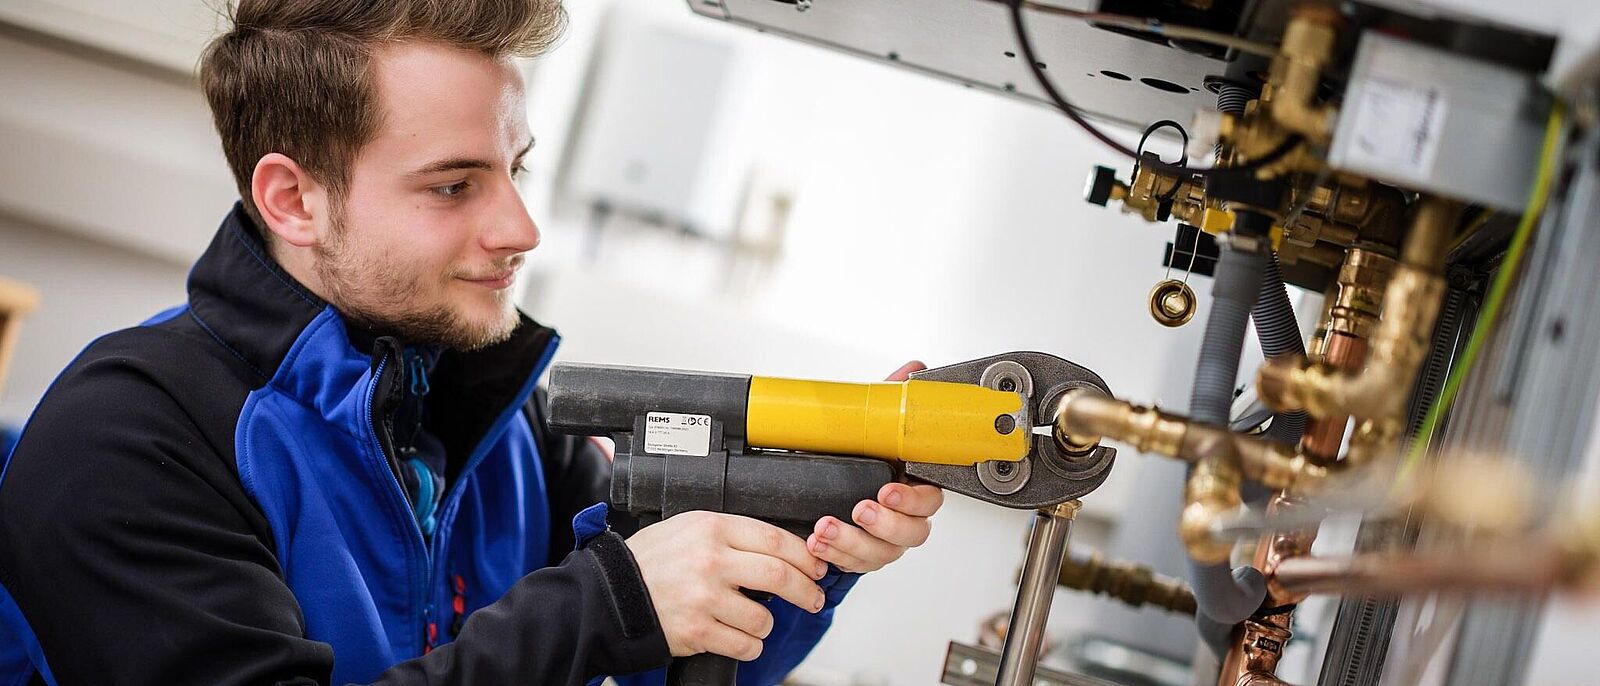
column 1172, row 303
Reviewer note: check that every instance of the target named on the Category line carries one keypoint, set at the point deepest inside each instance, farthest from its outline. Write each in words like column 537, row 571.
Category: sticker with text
column 671, row 433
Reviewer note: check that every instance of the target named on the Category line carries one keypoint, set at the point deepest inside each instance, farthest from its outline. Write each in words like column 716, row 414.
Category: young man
column 330, row 465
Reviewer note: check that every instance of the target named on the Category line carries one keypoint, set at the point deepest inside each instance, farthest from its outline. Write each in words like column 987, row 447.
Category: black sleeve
column 577, row 474
column 133, row 552
column 135, row 556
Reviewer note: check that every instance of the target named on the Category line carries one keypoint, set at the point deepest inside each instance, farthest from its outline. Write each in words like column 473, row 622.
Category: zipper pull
column 418, row 372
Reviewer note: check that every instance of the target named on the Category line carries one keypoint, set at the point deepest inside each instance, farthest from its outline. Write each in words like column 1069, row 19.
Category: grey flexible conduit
column 1224, row 595
column 1279, row 333
column 1246, row 285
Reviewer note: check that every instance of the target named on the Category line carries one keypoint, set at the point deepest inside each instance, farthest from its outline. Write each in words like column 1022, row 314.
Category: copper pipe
column 1508, row 569
column 1324, row 435
column 1261, row 679
column 1253, row 658
column 1279, row 547
column 1320, row 444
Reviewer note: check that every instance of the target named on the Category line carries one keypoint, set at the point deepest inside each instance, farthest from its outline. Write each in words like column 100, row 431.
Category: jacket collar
column 250, row 305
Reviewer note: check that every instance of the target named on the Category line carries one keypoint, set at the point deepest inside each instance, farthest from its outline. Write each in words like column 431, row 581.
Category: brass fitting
column 1410, row 305
column 1211, row 493
column 1150, row 186
column 1222, row 459
column 1308, row 229
column 1262, row 642
column 1360, row 299
column 1296, row 73
column 1375, row 212
column 1371, row 440
column 1087, row 417
column 1277, row 466
column 1130, row 583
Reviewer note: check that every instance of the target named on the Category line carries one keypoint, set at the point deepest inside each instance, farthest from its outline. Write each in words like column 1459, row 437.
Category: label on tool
column 671, row 433
column 1397, row 127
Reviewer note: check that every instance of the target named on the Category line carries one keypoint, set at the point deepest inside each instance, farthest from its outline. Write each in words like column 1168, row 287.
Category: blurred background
column 710, row 199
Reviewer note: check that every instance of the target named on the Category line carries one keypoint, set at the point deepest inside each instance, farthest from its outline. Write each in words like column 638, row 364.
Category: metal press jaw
column 1054, row 471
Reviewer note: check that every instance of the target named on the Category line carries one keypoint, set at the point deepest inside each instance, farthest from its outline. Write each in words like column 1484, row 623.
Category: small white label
column 1398, row 127
column 670, row 433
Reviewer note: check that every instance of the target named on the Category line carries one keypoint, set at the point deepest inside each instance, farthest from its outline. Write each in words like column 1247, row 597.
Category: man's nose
column 511, row 228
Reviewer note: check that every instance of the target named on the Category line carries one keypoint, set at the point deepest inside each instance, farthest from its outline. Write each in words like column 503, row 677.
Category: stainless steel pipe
column 1052, row 526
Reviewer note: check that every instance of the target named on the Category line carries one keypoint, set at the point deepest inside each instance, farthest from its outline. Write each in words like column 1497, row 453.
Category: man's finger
column 872, row 552
column 889, row 525
column 746, row 615
column 773, row 575
column 840, row 558
column 722, row 639
column 921, row 500
column 905, row 370
column 755, row 536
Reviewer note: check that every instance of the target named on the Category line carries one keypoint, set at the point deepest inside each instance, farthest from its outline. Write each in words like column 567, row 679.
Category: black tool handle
column 705, row 669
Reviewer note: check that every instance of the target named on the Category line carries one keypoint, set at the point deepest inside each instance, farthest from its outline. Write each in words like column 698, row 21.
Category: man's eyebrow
column 459, row 163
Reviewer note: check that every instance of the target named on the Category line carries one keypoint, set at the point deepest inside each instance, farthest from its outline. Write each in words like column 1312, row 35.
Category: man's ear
column 289, row 201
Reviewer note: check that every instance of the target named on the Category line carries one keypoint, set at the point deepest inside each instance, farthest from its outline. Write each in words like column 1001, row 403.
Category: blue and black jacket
column 213, row 498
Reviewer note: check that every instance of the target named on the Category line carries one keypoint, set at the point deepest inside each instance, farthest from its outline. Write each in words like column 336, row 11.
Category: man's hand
column 884, row 528
column 694, row 565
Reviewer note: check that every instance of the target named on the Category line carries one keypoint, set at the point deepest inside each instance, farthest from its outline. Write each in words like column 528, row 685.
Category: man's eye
column 451, row 190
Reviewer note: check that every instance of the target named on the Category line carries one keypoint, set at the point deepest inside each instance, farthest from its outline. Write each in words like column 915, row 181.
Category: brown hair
column 291, row 76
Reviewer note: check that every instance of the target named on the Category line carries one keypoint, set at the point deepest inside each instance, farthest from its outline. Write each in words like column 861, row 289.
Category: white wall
column 930, row 222
column 86, row 289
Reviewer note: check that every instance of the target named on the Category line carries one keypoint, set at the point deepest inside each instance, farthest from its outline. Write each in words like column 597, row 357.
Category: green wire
column 1497, row 295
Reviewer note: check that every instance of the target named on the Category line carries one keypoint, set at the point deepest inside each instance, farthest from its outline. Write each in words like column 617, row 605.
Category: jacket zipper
column 433, row 550
column 449, row 504
column 425, row 568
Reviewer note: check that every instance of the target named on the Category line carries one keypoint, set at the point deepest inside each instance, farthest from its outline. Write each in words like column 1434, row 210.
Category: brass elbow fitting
column 1411, row 303
column 1296, row 73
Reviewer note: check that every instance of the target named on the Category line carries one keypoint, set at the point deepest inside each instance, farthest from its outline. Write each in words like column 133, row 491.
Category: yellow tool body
column 934, row 422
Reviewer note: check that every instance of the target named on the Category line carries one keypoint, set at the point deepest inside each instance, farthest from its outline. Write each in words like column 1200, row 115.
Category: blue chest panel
column 350, row 549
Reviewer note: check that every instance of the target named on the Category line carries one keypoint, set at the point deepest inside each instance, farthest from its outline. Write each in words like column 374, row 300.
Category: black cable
column 1183, row 158
column 1277, row 153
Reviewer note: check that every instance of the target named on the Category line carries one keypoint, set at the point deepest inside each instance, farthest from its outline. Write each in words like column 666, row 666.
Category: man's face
column 432, row 230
